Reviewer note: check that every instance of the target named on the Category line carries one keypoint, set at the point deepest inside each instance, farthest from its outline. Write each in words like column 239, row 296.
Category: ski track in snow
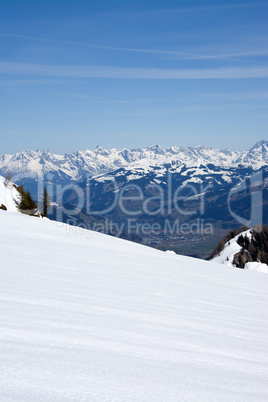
column 88, row 317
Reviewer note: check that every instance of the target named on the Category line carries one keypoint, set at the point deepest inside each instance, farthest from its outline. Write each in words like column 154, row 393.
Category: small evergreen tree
column 45, row 202
column 26, row 204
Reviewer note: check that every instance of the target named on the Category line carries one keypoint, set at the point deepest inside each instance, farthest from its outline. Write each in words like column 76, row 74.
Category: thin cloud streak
column 11, row 83
column 177, row 55
column 131, row 73
column 217, row 7
column 19, row 36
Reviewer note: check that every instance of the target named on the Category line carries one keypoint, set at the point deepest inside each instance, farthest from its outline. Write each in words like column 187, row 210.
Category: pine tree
column 45, row 202
column 26, row 204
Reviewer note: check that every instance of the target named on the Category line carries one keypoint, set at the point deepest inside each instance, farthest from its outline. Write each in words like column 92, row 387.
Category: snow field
column 88, row 317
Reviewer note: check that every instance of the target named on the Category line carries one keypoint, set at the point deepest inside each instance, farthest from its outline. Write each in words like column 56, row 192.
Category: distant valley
column 183, row 199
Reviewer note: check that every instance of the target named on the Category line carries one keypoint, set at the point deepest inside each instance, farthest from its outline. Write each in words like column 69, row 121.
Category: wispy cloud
column 233, row 96
column 78, row 71
column 178, row 55
column 127, row 101
column 19, row 36
column 190, row 9
column 216, row 7
column 12, row 83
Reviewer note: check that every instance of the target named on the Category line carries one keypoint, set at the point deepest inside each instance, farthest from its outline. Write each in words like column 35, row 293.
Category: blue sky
column 77, row 74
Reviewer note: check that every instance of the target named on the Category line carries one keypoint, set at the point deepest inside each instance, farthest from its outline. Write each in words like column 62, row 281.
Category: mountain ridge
column 79, row 164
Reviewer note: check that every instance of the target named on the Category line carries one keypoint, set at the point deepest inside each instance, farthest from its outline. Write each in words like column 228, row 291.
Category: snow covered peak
column 260, row 150
column 101, row 151
column 156, row 149
column 260, row 144
column 257, row 155
column 77, row 165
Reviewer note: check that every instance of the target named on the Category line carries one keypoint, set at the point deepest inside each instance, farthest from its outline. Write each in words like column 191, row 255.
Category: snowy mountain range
column 212, row 184
column 212, row 174
column 76, row 166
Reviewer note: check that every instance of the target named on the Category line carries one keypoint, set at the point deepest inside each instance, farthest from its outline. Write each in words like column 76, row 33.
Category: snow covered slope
column 9, row 196
column 233, row 247
column 88, row 317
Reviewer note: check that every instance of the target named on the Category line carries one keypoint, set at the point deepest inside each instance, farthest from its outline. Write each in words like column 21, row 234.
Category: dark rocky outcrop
column 230, row 235
column 254, row 248
column 241, row 258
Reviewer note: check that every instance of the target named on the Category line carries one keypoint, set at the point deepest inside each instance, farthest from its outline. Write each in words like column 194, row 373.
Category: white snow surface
column 9, row 196
column 257, row 266
column 88, row 317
